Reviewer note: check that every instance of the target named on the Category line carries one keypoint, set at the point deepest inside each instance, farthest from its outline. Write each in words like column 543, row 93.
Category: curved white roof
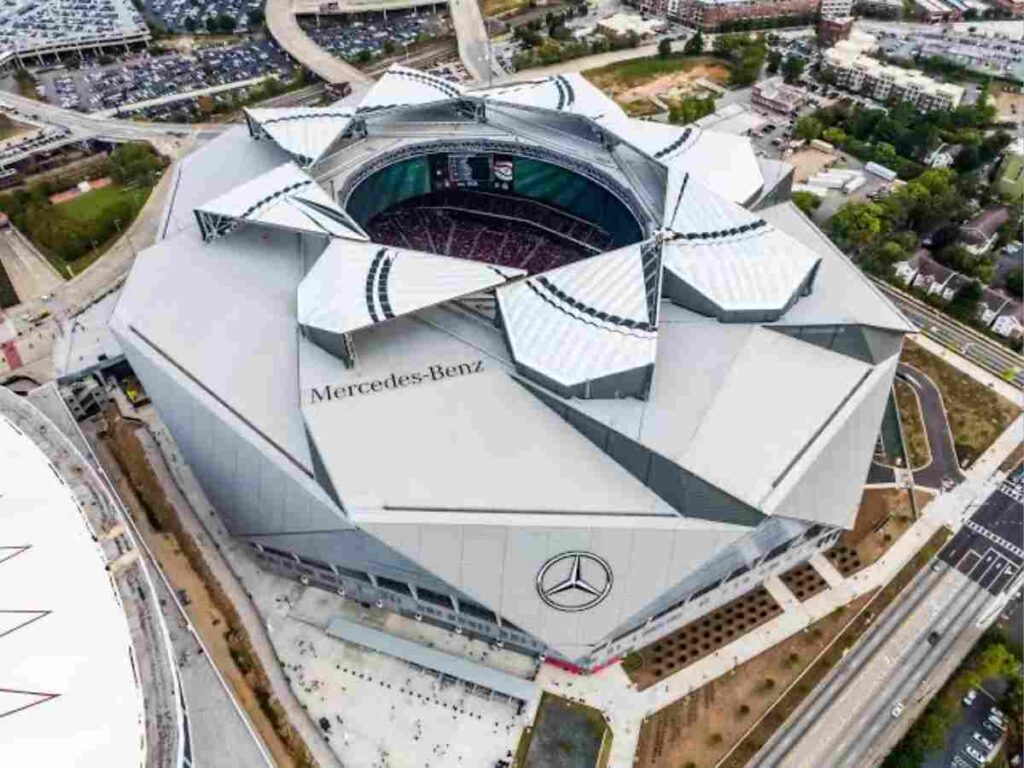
column 403, row 87
column 571, row 93
column 285, row 198
column 68, row 694
column 726, row 164
column 586, row 320
column 354, row 285
column 305, row 133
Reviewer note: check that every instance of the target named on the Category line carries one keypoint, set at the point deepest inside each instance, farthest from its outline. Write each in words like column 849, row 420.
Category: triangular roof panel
column 355, row 285
column 285, row 198
column 586, row 320
column 400, row 87
column 303, row 132
column 570, row 93
column 725, row 163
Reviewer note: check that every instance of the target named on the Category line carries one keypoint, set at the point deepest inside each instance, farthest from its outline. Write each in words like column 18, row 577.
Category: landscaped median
column 977, row 415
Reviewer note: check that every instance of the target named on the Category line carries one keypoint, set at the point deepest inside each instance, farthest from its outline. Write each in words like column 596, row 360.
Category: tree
column 809, row 127
column 968, row 158
column 695, row 45
column 664, row 48
column 835, row 136
column 857, row 225
column 964, row 306
column 134, row 163
column 774, row 60
column 255, row 16
column 792, row 68
column 808, row 202
column 1015, row 282
column 690, row 109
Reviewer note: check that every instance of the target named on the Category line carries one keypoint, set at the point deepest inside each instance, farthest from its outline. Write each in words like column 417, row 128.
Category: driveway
column 944, row 468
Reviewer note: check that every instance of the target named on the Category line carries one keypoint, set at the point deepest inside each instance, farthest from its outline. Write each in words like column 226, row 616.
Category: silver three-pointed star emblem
column 574, row 581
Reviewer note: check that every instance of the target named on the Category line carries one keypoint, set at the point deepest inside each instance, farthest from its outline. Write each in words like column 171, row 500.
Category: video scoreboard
column 472, row 171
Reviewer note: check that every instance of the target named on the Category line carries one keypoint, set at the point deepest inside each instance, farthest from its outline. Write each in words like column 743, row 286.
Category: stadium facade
column 509, row 361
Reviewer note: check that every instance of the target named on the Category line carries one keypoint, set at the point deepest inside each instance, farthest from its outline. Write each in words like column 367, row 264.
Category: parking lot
column 28, row 25
column 143, row 77
column 961, row 740
column 193, row 15
column 349, row 36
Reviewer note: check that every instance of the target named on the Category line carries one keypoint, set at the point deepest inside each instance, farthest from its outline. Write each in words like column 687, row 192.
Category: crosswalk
column 1013, row 549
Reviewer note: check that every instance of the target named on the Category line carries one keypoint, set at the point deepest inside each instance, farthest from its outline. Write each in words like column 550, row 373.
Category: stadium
column 509, row 361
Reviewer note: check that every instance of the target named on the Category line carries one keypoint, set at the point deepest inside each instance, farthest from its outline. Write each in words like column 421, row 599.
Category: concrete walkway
column 611, row 691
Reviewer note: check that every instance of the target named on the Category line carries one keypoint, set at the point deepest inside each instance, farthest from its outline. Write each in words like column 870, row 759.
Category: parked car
column 970, row 697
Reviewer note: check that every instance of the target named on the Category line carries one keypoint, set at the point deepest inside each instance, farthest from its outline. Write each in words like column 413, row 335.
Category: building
column 992, row 305
column 1010, row 322
column 935, row 279
column 33, row 32
column 627, row 384
column 979, row 234
column 710, row 15
column 836, row 9
column 776, row 95
column 832, row 29
column 935, row 11
column 851, row 68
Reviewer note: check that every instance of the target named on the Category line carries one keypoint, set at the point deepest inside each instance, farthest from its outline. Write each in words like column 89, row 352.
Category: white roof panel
column 69, row 695
column 585, row 320
column 285, row 198
column 401, row 86
column 571, row 93
column 726, row 164
column 355, row 284
column 661, row 141
column 303, row 132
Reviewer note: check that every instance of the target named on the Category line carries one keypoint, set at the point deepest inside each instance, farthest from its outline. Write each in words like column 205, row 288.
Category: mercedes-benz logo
column 574, row 581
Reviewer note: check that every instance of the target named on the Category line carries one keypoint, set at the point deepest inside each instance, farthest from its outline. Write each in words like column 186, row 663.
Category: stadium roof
column 68, row 692
column 354, row 285
column 285, row 198
column 303, row 132
column 730, row 366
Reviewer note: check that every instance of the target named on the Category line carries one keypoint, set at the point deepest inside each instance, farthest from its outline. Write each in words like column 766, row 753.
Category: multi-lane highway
column 869, row 700
column 980, row 350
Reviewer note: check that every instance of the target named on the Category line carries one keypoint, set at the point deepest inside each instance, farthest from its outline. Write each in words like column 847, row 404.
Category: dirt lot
column 807, row 162
column 1005, row 104
column 885, row 514
column 914, row 435
column 636, row 82
column 698, row 730
column 977, row 415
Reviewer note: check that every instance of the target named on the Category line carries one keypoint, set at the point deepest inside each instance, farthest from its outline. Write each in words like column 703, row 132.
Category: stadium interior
column 499, row 209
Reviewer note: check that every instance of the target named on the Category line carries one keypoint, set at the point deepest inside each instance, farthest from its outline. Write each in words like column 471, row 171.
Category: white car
column 988, row 745
column 970, row 697
column 898, row 709
column 975, row 754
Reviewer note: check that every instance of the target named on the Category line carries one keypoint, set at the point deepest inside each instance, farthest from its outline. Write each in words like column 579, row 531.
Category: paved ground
column 31, row 274
column 943, row 471
column 474, row 47
column 972, row 720
column 848, row 720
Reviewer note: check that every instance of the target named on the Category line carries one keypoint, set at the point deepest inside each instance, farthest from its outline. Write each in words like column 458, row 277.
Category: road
column 474, row 47
column 848, row 721
column 285, row 29
column 944, row 468
column 980, row 350
column 31, row 274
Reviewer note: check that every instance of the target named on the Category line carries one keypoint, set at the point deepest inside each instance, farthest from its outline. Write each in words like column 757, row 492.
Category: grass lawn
column 98, row 204
column 496, row 7
column 9, row 128
column 977, row 415
column 918, row 453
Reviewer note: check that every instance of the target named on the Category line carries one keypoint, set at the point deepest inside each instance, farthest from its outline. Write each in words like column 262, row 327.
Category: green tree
column 964, row 305
column 1015, row 282
column 691, row 109
column 835, row 136
column 792, row 68
column 809, row 127
column 857, row 225
column 774, row 61
column 134, row 163
column 664, row 48
column 808, row 202
column 695, row 45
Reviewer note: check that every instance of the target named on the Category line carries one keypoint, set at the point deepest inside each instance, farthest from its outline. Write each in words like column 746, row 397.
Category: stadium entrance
column 497, row 208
